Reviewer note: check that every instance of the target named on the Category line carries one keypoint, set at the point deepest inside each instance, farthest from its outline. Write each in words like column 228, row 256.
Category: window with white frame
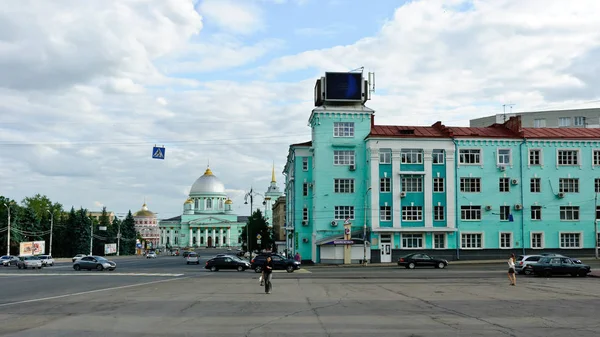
column 343, row 185
column 438, row 185
column 503, row 157
column 504, row 213
column 539, row 123
column 438, row 157
column 385, row 185
column 569, row 213
column 596, row 157
column 305, row 189
column 578, row 121
column 412, row 240
column 568, row 157
column 411, row 156
column 385, row 213
column 568, row 185
column 535, row 186
column 439, row 240
column 385, row 157
column 537, row 240
column 305, row 214
column 343, row 157
column 471, row 185
column 469, row 156
column 470, row 213
column 471, row 240
column 344, row 212
column 535, row 157
column 564, row 122
column 343, row 129
column 505, row 240
column 438, row 213
column 412, row 184
column 504, row 184
column 304, row 163
column 536, row 212
column 412, row 213
column 570, row 240
column 597, row 185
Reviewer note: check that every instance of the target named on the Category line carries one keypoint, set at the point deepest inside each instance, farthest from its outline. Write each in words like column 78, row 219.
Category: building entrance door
column 209, row 242
column 386, row 248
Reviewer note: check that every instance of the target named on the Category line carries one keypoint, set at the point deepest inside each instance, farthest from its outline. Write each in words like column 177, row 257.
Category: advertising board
column 110, row 248
column 32, row 248
column 343, row 87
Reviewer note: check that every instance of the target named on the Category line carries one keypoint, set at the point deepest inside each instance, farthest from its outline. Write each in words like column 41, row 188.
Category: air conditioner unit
column 488, row 208
column 561, row 194
column 352, row 167
column 333, row 223
column 502, row 168
column 514, row 181
column 518, row 206
column 305, row 240
column 305, row 223
column 402, row 194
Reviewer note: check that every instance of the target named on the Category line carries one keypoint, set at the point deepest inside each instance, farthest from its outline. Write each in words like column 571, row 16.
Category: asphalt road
column 166, row 297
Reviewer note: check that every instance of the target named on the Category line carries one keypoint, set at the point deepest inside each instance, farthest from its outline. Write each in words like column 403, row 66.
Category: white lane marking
column 89, row 292
column 94, row 274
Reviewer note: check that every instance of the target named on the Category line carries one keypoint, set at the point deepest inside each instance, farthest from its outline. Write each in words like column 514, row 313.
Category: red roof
column 309, row 143
column 397, row 131
column 561, row 133
column 493, row 131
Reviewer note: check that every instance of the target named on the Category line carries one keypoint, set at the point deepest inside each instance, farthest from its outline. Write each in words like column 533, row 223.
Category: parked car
column 578, row 261
column 47, row 260
column 192, row 257
column 78, row 257
column 227, row 262
column 29, row 262
column 94, row 262
column 554, row 265
column 9, row 260
column 151, row 255
column 525, row 260
column 279, row 263
column 411, row 261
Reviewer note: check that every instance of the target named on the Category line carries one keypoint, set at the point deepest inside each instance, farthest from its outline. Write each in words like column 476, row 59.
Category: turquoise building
column 456, row 192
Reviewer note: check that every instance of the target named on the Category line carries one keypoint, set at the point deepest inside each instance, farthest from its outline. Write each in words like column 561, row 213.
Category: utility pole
column 119, row 238
column 8, row 233
column 91, row 236
column 51, row 228
column 365, row 231
column 250, row 194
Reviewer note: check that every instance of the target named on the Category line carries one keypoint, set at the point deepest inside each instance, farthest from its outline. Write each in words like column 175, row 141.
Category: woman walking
column 268, row 269
column 512, row 277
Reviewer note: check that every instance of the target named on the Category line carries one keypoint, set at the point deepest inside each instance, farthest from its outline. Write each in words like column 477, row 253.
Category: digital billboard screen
column 343, row 86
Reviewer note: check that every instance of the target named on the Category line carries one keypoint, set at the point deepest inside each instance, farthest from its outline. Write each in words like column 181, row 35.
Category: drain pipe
column 456, row 190
column 522, row 195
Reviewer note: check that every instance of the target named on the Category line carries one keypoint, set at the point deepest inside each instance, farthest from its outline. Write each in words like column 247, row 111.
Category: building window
column 505, row 240
column 343, row 129
column 343, row 157
column 385, row 157
column 412, row 213
column 504, row 157
column 597, row 185
column 438, row 185
column 472, row 185
column 305, row 214
column 412, row 240
column 535, row 157
column 438, row 157
column 579, row 121
column 536, row 185
column 439, row 241
column 568, row 157
column 385, row 213
column 536, row 212
column 539, row 123
column 564, row 122
column 569, row 213
column 438, row 213
column 537, row 240
column 343, row 185
column 596, row 160
column 305, row 189
column 471, row 240
column 504, row 213
column 470, row 213
column 469, row 156
column 504, row 184
column 385, row 185
column 344, row 212
column 597, row 212
column 411, row 156
column 412, row 184
column 568, row 185
column 304, row 163
column 570, row 240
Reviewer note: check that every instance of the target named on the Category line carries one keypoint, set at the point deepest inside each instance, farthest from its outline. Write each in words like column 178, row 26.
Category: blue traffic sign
column 158, row 152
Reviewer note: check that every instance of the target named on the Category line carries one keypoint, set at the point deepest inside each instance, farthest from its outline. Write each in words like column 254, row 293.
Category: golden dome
column 189, row 201
column 208, row 172
column 228, row 202
column 144, row 211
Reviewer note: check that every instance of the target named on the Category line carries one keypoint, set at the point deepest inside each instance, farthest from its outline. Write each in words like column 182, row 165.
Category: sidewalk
column 70, row 259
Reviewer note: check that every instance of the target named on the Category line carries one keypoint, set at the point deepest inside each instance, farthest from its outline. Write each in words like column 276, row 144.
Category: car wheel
column 411, row 265
column 289, row 269
column 582, row 273
column 99, row 267
column 76, row 267
column 240, row 268
column 213, row 268
column 547, row 273
column 258, row 270
column 527, row 271
column 441, row 265
column 187, row 263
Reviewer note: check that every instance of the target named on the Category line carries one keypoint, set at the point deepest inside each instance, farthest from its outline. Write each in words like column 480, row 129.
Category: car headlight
column 106, row 265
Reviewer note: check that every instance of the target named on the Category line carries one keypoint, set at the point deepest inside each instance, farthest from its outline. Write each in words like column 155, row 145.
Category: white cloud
column 241, row 17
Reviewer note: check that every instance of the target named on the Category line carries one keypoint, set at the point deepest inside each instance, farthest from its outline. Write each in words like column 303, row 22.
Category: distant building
column 575, row 118
column 146, row 226
column 279, row 219
column 96, row 215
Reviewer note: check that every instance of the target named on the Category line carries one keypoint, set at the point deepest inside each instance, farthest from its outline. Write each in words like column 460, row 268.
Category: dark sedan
column 226, row 262
column 411, row 261
column 548, row 266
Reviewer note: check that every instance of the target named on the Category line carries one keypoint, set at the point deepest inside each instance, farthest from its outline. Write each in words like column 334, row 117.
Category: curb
column 393, row 264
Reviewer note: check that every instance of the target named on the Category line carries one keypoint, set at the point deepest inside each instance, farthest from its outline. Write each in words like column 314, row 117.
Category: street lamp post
column 250, row 195
column 91, row 236
column 365, row 230
column 51, row 228
column 119, row 239
column 8, row 233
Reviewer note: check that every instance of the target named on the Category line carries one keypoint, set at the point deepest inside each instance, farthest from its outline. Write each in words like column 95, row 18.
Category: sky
column 87, row 88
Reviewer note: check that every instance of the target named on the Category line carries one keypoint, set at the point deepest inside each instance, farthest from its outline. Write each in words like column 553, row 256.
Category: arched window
column 209, row 203
column 202, row 240
column 194, row 240
column 220, row 204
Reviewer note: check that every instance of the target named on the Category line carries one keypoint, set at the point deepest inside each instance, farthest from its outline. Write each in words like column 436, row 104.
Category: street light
column 51, row 227
column 365, row 231
column 251, row 195
column 8, row 233
column 91, row 236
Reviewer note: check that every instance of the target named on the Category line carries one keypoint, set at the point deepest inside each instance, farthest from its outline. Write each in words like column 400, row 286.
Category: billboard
column 344, row 87
column 110, row 248
column 32, row 248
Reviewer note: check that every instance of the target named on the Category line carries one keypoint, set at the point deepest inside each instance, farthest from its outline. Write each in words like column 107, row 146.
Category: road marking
column 299, row 271
column 90, row 292
column 94, row 274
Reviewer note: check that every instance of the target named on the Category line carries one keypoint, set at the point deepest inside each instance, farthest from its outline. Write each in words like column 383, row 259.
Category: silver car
column 9, row 260
column 94, row 262
column 525, row 260
column 47, row 260
column 29, row 262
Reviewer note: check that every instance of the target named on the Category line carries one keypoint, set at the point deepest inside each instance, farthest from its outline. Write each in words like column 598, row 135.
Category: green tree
column 15, row 238
column 128, row 235
column 28, row 225
column 258, row 225
column 81, row 232
column 101, row 236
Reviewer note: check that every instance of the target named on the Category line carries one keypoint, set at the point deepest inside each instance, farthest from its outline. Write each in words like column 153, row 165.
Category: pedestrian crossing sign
column 158, row 152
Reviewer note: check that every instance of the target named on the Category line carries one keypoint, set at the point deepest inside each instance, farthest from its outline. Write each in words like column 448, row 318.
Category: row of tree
column 31, row 219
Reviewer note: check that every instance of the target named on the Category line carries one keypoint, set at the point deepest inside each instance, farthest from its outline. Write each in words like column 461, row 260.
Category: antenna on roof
column 510, row 105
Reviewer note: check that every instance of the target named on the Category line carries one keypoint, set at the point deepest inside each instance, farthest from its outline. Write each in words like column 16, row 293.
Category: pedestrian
column 512, row 277
column 268, row 272
column 297, row 257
